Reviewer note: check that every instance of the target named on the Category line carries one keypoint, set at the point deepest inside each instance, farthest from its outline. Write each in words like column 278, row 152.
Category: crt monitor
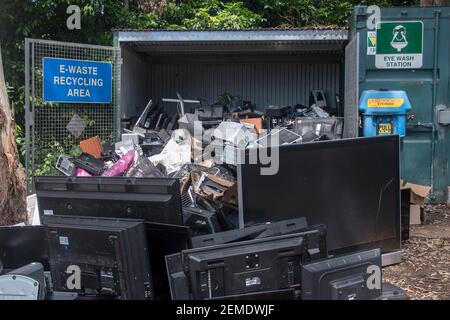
column 150, row 199
column 100, row 257
column 355, row 276
column 351, row 185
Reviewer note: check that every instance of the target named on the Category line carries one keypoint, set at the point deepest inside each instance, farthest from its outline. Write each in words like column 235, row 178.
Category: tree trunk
column 13, row 208
column 430, row 3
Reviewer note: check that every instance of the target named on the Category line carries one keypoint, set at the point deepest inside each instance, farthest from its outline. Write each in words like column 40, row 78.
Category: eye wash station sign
column 399, row 45
column 76, row 81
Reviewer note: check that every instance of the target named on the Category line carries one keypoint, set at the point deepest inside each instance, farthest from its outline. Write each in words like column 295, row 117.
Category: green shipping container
column 408, row 49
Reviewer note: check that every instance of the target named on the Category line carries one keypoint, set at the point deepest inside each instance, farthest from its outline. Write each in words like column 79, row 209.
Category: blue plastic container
column 384, row 112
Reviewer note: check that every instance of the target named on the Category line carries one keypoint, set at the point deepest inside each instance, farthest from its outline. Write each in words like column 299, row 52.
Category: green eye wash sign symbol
column 399, row 45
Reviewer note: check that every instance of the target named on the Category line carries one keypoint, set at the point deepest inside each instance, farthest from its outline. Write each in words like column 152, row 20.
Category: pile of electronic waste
column 86, row 257
column 154, row 216
column 201, row 146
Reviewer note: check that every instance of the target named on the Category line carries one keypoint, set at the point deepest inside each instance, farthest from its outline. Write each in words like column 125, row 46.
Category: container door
column 411, row 53
column 72, row 92
column 351, row 85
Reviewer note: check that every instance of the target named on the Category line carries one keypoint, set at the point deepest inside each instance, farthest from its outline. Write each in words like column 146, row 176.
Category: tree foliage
column 46, row 19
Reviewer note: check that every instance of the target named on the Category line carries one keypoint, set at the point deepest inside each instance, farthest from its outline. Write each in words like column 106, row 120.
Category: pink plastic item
column 82, row 173
column 120, row 166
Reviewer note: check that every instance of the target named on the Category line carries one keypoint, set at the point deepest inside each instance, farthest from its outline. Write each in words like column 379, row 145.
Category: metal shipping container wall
column 265, row 67
column 424, row 152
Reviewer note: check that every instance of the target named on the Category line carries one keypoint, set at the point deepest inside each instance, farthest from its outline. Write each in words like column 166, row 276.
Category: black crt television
column 22, row 245
column 245, row 267
column 163, row 240
column 351, row 185
column 151, row 199
column 264, row 230
column 100, row 257
column 355, row 276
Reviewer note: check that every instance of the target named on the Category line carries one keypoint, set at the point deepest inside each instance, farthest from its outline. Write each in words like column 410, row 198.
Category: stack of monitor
column 126, row 238
column 278, row 267
column 108, row 258
column 108, row 219
column 246, row 267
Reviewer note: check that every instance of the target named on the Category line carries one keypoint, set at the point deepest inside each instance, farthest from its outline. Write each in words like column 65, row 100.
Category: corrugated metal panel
column 262, row 66
column 262, row 83
column 133, row 83
column 233, row 47
column 351, row 112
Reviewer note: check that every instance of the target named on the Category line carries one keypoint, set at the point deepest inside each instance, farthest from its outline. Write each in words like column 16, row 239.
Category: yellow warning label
column 385, row 102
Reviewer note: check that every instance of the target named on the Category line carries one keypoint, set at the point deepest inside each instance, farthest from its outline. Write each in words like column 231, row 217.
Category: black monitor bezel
column 394, row 243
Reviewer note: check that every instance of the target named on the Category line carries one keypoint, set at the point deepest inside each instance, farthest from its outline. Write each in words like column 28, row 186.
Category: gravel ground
column 424, row 273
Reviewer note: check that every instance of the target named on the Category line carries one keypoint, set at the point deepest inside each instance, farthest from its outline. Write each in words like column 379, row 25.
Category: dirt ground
column 424, row 273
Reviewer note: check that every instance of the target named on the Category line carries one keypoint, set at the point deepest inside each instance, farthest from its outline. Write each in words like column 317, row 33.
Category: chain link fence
column 53, row 128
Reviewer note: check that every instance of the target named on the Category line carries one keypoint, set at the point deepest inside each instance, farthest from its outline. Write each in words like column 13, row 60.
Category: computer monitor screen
column 251, row 266
column 150, row 199
column 99, row 256
column 21, row 245
column 351, row 185
column 355, row 276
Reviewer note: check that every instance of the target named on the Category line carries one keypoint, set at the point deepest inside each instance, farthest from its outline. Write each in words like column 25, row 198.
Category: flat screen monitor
column 352, row 186
column 264, row 230
column 101, row 257
column 21, row 245
column 150, row 199
column 250, row 266
column 355, row 276
column 163, row 240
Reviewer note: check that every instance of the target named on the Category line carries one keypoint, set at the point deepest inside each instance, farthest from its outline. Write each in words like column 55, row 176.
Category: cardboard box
column 415, row 214
column 418, row 192
column 92, row 146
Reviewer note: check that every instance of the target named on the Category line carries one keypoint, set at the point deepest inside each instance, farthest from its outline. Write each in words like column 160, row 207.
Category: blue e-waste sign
column 77, row 81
